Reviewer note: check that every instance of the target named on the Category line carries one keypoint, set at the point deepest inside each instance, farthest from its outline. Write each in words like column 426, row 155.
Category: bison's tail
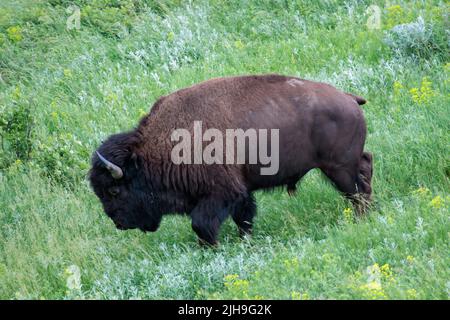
column 358, row 99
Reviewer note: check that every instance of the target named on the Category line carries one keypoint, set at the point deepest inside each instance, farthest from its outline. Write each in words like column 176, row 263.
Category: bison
column 319, row 126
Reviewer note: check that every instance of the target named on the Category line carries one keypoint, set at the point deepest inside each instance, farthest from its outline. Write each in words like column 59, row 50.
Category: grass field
column 64, row 91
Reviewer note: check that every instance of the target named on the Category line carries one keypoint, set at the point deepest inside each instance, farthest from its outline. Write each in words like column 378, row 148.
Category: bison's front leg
column 207, row 217
column 243, row 212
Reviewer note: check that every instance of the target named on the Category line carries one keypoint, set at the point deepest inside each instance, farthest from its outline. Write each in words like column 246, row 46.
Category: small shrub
column 63, row 157
column 111, row 19
column 419, row 39
column 16, row 126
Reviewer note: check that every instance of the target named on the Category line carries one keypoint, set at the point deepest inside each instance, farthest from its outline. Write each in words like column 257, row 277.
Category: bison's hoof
column 247, row 233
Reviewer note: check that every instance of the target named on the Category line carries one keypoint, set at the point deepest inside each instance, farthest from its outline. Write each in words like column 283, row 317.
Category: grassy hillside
column 64, row 91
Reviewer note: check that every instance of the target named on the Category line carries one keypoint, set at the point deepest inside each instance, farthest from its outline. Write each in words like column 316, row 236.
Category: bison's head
column 121, row 182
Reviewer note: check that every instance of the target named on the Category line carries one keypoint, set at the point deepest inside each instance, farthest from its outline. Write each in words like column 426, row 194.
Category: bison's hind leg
column 364, row 182
column 243, row 212
column 365, row 173
column 349, row 180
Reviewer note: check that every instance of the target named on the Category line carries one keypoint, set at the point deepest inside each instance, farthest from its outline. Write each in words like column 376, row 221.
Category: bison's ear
column 135, row 160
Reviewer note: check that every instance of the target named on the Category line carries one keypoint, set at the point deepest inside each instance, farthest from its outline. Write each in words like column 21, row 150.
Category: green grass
column 63, row 92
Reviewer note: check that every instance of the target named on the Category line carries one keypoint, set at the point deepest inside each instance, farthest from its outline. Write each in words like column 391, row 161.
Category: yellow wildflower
column 373, row 285
column 112, row 97
column 447, row 67
column 422, row 191
column 348, row 215
column 328, row 257
column 397, row 88
column 230, row 278
column 295, row 295
column 14, row 34
column 395, row 15
column 239, row 44
column 426, row 88
column 142, row 113
column 415, row 94
column 411, row 294
column 437, row 202
column 241, row 284
column 237, row 287
column 291, row 263
column 410, row 259
column 16, row 93
column 423, row 94
column 170, row 36
column 390, row 220
column 387, row 272
column 373, row 290
column 375, row 273
column 67, row 73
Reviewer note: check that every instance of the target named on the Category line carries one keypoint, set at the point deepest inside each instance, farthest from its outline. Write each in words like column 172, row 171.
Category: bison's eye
column 114, row 191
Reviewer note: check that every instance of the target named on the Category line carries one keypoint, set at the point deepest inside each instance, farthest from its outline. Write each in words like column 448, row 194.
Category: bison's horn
column 116, row 172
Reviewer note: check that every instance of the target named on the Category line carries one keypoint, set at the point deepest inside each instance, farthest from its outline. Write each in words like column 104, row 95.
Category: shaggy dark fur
column 320, row 127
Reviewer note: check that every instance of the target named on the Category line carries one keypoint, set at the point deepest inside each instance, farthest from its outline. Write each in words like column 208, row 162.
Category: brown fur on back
column 226, row 103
